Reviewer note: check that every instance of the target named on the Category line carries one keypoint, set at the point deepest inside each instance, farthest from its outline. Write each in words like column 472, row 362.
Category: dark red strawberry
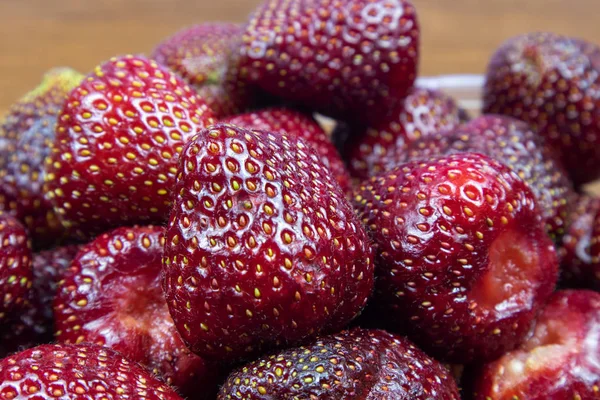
column 15, row 265
column 358, row 364
column 514, row 144
column 25, row 134
column 464, row 261
column 551, row 82
column 262, row 248
column 580, row 250
column 112, row 296
column 561, row 360
column 200, row 54
column 77, row 372
column 34, row 324
column 117, row 143
column 423, row 113
column 353, row 59
column 285, row 120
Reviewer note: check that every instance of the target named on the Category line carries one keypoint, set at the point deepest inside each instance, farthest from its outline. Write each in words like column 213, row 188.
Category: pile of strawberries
column 182, row 226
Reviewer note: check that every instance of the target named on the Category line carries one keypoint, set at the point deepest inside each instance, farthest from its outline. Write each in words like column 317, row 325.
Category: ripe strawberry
column 111, row 295
column 580, row 251
column 559, row 361
column 463, row 259
column 199, row 54
column 15, row 265
column 357, row 364
column 514, row 144
column 295, row 123
column 262, row 248
column 117, row 143
column 351, row 59
column 25, row 133
column 551, row 82
column 77, row 372
column 423, row 113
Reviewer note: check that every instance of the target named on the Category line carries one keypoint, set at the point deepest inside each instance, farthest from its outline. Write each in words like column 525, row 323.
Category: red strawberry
column 580, row 251
column 352, row 59
column 464, row 262
column 112, row 296
column 358, row 364
column 553, row 83
column 513, row 143
column 199, row 54
column 117, row 143
column 559, row 361
column 35, row 323
column 77, row 372
column 295, row 123
column 15, row 265
column 262, row 247
column 423, row 113
column 25, row 134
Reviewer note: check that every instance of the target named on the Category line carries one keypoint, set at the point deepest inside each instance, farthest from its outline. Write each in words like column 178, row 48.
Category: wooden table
column 458, row 35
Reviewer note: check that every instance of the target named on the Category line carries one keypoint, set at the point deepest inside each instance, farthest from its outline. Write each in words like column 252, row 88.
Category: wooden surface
column 458, row 35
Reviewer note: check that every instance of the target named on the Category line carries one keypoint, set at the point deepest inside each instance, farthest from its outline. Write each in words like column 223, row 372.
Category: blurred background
column 458, row 36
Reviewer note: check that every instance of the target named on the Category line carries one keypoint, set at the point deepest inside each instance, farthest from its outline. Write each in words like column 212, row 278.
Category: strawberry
column 285, row 120
column 25, row 133
column 111, row 295
column 560, row 359
column 15, row 265
column 77, row 372
column 262, row 248
column 463, row 260
column 423, row 113
column 551, row 82
column 357, row 364
column 352, row 59
column 513, row 143
column 117, row 143
column 580, row 250
column 199, row 54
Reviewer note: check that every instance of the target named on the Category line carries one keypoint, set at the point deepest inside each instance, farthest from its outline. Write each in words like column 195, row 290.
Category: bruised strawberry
column 423, row 113
column 117, row 143
column 514, row 144
column 262, row 248
column 295, row 123
column 463, row 259
column 559, row 361
column 112, row 296
column 358, row 364
column 15, row 265
column 354, row 59
column 199, row 54
column 25, row 134
column 551, row 82
column 77, row 372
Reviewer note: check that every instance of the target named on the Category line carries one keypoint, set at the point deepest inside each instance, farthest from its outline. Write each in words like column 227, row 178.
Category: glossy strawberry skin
column 551, row 82
column 15, row 265
column 423, row 113
column 357, row 364
column 262, row 248
column 288, row 121
column 77, row 372
column 463, row 261
column 348, row 59
column 25, row 134
column 199, row 54
column 118, row 140
column 111, row 295
column 513, row 143
column 559, row 361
